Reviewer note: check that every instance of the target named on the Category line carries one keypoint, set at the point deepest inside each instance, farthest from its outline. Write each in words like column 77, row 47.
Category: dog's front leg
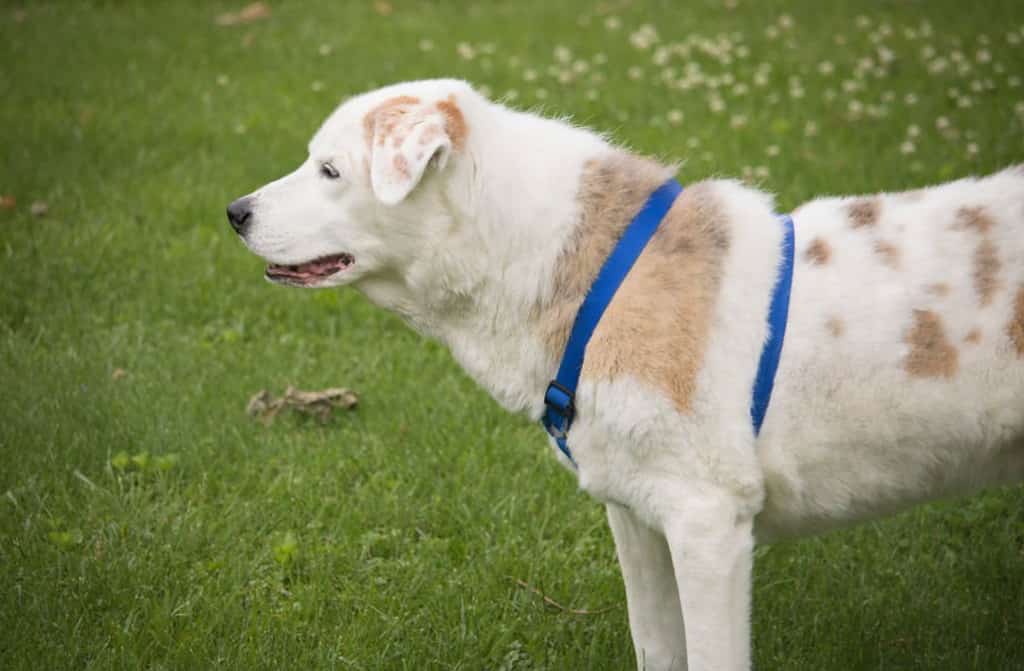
column 655, row 618
column 711, row 542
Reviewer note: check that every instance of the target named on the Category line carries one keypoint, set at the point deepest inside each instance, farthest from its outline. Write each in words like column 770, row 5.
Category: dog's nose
column 240, row 214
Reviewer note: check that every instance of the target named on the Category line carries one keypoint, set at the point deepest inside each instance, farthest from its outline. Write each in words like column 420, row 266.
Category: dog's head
column 370, row 195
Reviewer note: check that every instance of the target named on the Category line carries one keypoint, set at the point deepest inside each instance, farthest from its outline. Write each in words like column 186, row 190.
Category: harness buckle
column 561, row 409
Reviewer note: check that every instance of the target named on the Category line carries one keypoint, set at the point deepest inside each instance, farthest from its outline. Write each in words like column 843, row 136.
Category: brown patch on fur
column 455, row 123
column 930, row 354
column 1016, row 326
column 864, row 212
column 973, row 218
column 938, row 289
column 401, row 165
column 388, row 113
column 889, row 252
column 986, row 271
column 818, row 252
column 656, row 327
column 835, row 326
column 973, row 337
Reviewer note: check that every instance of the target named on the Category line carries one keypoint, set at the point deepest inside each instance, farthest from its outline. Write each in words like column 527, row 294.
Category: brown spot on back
column 455, row 123
column 818, row 252
column 386, row 112
column 986, row 271
column 973, row 219
column 930, row 354
column 973, row 337
column 835, row 326
column 864, row 212
column 657, row 325
column 938, row 289
column 1016, row 326
column 889, row 252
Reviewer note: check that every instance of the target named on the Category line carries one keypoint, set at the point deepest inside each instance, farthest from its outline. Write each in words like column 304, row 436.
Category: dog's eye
column 329, row 171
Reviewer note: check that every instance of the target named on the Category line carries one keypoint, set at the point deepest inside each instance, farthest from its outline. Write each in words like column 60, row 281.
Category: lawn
column 146, row 522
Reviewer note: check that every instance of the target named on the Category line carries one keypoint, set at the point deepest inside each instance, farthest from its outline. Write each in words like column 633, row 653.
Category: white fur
column 468, row 248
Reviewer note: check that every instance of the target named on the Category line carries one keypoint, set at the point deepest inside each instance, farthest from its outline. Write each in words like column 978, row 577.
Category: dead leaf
column 39, row 208
column 8, row 202
column 252, row 12
column 319, row 404
column 383, row 8
column 118, row 373
column 247, row 40
column 20, row 15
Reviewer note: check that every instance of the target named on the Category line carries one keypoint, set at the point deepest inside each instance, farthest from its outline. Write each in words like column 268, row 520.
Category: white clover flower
column 942, row 123
column 742, row 51
column 796, row 93
column 600, row 58
column 529, row 75
column 240, row 128
column 913, row 130
column 927, row 52
column 325, row 49
column 1019, row 108
column 489, row 48
column 661, row 56
column 740, row 89
column 1013, row 39
column 565, row 77
column 761, row 172
column 635, row 73
column 785, row 21
column 855, row 107
column 591, row 94
column 223, row 80
column 907, row 147
column 983, row 56
column 1013, row 81
column 643, row 37
column 540, row 94
column 484, row 90
column 826, row 68
column 317, row 86
column 811, row 128
column 563, row 54
column 771, row 32
column 693, row 142
column 738, row 121
column 613, row 23
column 716, row 104
column 888, row 96
column 580, row 66
column 964, row 102
column 910, row 99
column 513, row 61
column 465, row 51
column 674, row 117
column 772, row 150
column 977, row 86
column 511, row 95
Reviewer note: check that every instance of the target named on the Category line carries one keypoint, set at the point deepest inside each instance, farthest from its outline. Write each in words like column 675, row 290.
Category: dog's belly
column 902, row 376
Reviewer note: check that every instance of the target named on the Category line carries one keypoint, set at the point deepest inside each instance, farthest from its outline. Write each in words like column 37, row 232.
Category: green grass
column 392, row 538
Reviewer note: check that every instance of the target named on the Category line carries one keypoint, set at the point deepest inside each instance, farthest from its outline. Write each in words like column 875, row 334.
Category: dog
column 901, row 377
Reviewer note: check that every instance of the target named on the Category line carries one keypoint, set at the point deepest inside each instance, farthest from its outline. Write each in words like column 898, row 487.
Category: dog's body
column 901, row 377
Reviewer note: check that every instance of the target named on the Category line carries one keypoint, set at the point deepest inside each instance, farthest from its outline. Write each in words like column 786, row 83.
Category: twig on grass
column 551, row 602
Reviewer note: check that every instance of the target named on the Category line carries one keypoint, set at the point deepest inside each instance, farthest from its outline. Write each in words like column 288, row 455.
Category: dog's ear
column 407, row 137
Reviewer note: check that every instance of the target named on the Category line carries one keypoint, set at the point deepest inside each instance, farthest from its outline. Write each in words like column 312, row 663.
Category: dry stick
column 548, row 600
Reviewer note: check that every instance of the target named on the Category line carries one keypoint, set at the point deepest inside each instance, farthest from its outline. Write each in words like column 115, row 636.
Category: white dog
column 901, row 377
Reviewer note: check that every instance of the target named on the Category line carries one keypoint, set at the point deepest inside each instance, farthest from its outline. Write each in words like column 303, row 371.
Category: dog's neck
column 502, row 288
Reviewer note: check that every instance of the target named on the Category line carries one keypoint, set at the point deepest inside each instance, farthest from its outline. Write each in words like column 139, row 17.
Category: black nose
column 240, row 214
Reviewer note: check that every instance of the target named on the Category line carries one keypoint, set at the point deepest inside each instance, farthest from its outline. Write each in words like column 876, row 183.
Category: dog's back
column 902, row 377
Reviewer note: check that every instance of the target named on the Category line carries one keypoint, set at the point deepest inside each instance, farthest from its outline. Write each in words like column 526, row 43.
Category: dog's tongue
column 321, row 267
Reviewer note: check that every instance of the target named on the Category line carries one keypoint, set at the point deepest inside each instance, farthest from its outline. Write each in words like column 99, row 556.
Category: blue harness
column 559, row 399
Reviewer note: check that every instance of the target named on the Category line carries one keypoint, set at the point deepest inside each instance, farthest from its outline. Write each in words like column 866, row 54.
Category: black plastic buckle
column 565, row 412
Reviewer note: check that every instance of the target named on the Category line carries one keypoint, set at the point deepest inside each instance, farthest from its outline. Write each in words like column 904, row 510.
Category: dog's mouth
column 310, row 273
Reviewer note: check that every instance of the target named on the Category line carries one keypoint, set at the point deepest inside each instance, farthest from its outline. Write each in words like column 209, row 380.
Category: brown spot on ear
column 835, row 326
column 1016, row 326
column 387, row 112
column 986, row 271
column 973, row 337
column 938, row 289
column 889, row 252
column 455, row 123
column 973, row 218
column 818, row 252
column 930, row 354
column 401, row 166
column 864, row 212
column 657, row 326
